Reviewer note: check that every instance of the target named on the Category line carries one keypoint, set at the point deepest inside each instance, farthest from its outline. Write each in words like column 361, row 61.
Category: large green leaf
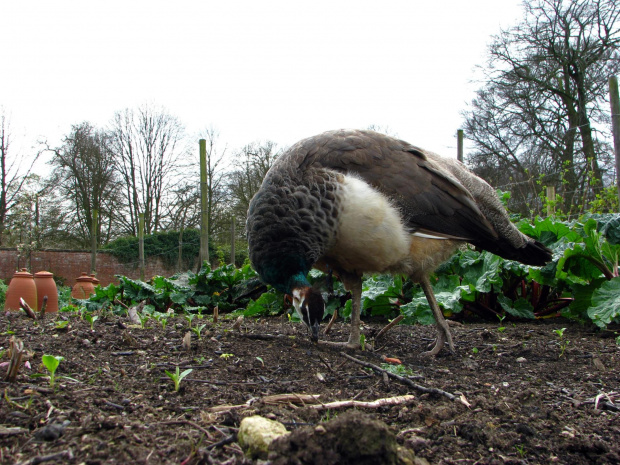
column 520, row 308
column 606, row 303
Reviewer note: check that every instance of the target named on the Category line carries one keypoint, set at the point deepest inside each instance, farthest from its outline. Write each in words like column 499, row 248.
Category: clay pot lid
column 85, row 278
column 94, row 279
column 43, row 274
column 23, row 273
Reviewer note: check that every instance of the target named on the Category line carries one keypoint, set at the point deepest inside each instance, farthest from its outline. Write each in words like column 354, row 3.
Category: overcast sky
column 255, row 70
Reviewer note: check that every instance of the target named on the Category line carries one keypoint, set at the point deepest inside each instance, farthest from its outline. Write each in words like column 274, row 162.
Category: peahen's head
column 310, row 307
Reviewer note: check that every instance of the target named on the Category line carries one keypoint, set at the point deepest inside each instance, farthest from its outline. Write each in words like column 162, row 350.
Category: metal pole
column 459, row 145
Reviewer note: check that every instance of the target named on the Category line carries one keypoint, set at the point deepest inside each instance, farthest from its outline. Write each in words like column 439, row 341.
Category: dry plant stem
column 132, row 312
column 389, row 326
column 116, row 301
column 388, row 401
column 24, row 305
column 216, row 312
column 331, row 322
column 402, row 379
column 16, row 352
column 43, row 306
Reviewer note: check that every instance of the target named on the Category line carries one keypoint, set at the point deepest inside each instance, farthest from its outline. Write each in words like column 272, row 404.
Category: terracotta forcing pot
column 83, row 288
column 46, row 286
column 21, row 286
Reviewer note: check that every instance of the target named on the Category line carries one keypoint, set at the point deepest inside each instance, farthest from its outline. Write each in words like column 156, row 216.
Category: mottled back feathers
column 293, row 219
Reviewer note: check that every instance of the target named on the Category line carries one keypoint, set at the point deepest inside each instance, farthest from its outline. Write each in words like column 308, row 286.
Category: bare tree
column 249, row 168
column 146, row 143
column 544, row 91
column 84, row 175
column 12, row 177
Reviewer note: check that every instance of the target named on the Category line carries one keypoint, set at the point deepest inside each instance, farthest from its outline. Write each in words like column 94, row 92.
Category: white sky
column 255, row 70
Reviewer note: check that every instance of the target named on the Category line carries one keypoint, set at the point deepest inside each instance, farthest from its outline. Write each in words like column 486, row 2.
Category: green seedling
column 520, row 450
column 401, row 370
column 12, row 403
column 144, row 317
column 177, row 377
column 61, row 324
column 262, row 362
column 197, row 330
column 8, row 331
column 475, row 350
column 501, row 318
column 563, row 342
column 189, row 317
column 161, row 318
column 51, row 362
column 91, row 319
column 226, row 356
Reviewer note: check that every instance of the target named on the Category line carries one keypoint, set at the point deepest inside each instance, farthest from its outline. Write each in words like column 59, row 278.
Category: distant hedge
column 162, row 244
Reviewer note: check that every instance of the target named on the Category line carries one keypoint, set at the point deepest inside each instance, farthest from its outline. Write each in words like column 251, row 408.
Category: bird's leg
column 355, row 286
column 443, row 331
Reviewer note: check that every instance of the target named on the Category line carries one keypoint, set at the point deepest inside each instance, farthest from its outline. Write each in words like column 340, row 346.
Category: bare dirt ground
column 527, row 404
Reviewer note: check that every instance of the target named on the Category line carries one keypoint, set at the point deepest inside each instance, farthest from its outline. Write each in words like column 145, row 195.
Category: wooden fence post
column 550, row 200
column 93, row 242
column 459, row 145
column 204, row 205
column 232, row 241
column 141, row 245
column 615, row 123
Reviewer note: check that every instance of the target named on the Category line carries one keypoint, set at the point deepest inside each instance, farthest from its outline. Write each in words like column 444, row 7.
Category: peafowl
column 355, row 202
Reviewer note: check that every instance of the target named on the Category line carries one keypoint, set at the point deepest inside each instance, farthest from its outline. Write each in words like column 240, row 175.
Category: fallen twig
column 302, row 399
column 407, row 381
column 331, row 322
column 63, row 456
column 389, row 326
column 223, row 442
column 398, row 400
column 190, row 423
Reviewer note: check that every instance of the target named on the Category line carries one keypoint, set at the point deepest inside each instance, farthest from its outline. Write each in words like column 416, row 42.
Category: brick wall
column 69, row 264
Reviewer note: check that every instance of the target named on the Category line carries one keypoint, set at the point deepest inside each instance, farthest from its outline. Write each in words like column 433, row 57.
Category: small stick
column 398, row 400
column 63, row 456
column 389, row 326
column 402, row 379
column 190, row 423
column 331, row 322
column 223, row 442
column 216, row 312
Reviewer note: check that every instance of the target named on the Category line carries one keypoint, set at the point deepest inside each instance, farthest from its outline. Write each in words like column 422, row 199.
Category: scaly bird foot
column 341, row 345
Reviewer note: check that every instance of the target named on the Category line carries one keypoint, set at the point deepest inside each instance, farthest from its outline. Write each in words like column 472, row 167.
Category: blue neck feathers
column 285, row 273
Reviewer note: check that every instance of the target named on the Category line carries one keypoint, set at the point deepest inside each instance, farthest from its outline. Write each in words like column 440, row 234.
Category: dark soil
column 528, row 404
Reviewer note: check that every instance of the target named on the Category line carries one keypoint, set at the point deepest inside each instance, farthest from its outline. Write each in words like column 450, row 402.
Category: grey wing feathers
column 430, row 200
